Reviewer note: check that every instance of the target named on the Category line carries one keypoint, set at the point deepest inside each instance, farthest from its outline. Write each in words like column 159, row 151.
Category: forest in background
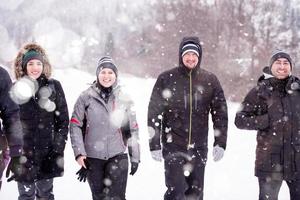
column 237, row 36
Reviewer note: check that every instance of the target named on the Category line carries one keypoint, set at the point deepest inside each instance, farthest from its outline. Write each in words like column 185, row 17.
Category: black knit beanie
column 280, row 54
column 106, row 62
column 191, row 47
column 30, row 55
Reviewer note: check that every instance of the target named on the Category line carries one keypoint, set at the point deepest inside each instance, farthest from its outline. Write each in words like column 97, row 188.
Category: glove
column 218, row 153
column 157, row 155
column 82, row 173
column 50, row 162
column 14, row 166
column 134, row 167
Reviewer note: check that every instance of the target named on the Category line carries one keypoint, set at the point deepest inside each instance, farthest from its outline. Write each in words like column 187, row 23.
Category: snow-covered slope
column 229, row 179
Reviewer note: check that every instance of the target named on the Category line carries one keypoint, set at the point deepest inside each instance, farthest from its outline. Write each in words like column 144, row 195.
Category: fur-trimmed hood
column 19, row 72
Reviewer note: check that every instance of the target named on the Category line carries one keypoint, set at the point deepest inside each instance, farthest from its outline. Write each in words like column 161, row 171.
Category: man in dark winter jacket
column 273, row 109
column 178, row 119
column 11, row 132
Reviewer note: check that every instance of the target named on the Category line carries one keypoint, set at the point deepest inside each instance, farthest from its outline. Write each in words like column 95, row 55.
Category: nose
column 282, row 65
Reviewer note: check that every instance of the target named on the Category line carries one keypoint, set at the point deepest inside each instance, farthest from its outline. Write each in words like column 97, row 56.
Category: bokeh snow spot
column 166, row 93
column 151, row 132
column 23, row 90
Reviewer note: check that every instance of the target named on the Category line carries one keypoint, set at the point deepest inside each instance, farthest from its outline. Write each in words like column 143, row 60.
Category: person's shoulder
column 54, row 81
column 3, row 72
column 208, row 74
column 169, row 73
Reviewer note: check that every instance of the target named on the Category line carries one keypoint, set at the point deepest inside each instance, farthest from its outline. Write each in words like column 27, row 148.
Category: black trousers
column 108, row 178
column 269, row 189
column 39, row 190
column 184, row 175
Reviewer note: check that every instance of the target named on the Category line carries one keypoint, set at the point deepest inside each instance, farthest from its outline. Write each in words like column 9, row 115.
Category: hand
column 14, row 166
column 134, row 167
column 81, row 161
column 218, row 153
column 157, row 155
column 82, row 173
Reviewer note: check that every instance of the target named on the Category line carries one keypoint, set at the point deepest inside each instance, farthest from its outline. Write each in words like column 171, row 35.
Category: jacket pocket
column 269, row 159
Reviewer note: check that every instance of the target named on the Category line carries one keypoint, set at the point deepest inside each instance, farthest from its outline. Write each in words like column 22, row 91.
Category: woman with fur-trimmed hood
column 44, row 117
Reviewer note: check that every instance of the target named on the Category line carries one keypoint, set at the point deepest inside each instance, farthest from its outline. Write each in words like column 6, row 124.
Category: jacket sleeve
column 10, row 116
column 133, row 141
column 219, row 115
column 155, row 115
column 76, row 127
column 250, row 116
column 61, row 119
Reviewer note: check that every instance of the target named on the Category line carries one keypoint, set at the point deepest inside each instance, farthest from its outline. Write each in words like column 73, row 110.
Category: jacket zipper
column 191, row 111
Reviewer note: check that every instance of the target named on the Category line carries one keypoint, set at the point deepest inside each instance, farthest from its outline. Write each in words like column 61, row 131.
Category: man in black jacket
column 273, row 109
column 11, row 132
column 178, row 112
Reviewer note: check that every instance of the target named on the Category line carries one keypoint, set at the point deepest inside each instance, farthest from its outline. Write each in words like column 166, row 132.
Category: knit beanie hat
column 106, row 62
column 190, row 47
column 30, row 55
column 280, row 54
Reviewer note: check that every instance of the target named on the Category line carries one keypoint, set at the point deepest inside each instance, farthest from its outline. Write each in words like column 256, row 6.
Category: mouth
column 34, row 73
column 106, row 81
column 281, row 71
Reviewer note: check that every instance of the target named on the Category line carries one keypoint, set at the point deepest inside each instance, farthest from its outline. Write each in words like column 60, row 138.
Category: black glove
column 15, row 167
column 134, row 167
column 82, row 173
column 50, row 161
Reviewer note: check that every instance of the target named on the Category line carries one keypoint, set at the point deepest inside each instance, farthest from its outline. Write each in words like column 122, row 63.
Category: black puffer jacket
column 44, row 132
column 273, row 109
column 9, row 113
column 180, row 104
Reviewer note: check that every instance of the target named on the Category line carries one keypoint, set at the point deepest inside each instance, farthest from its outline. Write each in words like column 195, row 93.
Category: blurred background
column 143, row 36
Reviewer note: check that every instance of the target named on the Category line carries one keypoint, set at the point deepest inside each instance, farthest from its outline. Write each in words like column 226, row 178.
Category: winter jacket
column 103, row 138
column 45, row 128
column 180, row 104
column 9, row 114
column 273, row 109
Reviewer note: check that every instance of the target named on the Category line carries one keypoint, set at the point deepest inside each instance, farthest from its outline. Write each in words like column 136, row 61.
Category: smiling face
column 281, row 68
column 107, row 77
column 190, row 60
column 34, row 68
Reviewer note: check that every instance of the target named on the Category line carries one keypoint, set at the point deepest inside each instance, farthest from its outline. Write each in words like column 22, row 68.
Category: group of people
column 104, row 130
column 36, row 124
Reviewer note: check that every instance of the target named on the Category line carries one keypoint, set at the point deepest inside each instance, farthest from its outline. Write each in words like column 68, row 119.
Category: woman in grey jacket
column 103, row 129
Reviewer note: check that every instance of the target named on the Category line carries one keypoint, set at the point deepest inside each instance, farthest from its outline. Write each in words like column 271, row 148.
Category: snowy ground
column 229, row 179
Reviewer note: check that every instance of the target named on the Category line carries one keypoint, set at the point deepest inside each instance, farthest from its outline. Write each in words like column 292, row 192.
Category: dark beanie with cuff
column 106, row 62
column 191, row 47
column 31, row 55
column 280, row 54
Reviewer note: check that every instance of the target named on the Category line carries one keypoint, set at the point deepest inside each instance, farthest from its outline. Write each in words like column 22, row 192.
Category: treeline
column 238, row 36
